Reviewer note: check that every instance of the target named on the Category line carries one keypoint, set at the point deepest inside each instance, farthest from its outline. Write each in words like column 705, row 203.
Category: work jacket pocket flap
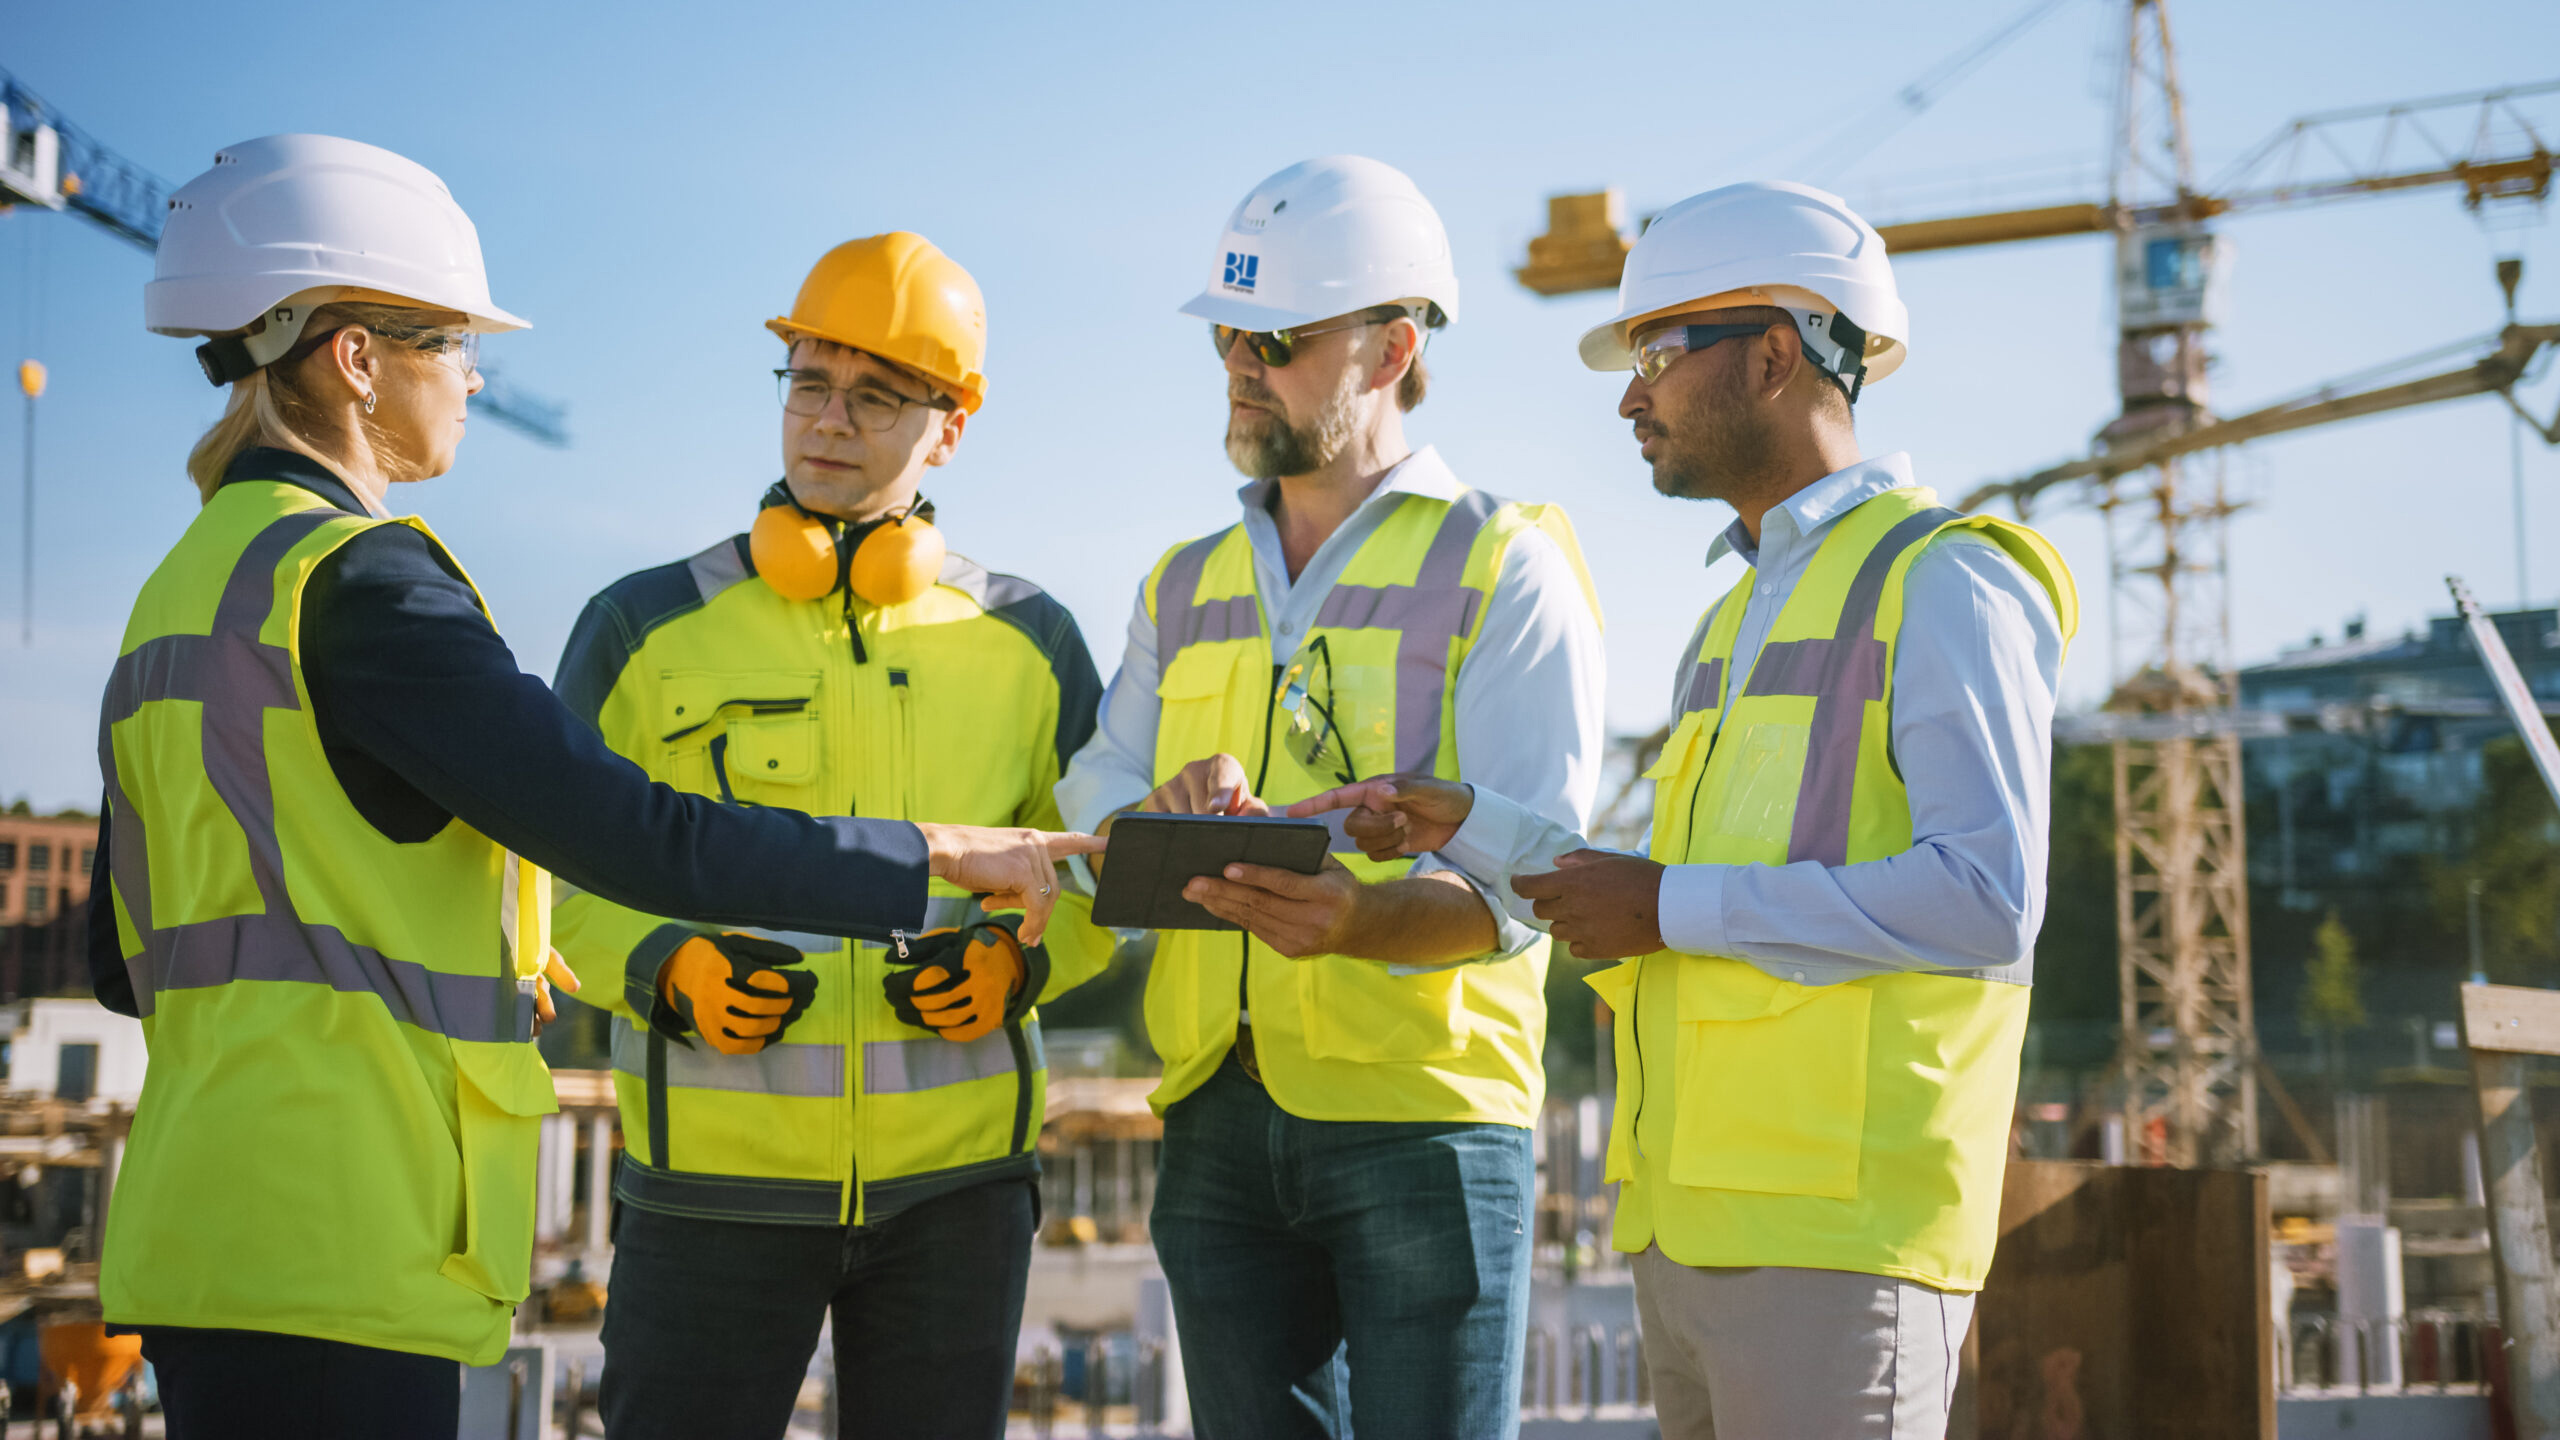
column 776, row 750
column 499, row 1089
column 1772, row 1082
column 690, row 700
column 1714, row 988
column 1675, row 749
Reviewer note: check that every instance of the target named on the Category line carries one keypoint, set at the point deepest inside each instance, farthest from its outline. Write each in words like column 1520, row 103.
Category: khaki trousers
column 1781, row 1354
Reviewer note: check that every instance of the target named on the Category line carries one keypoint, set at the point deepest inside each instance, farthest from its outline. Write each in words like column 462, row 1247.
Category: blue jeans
column 1325, row 1271
column 711, row 1322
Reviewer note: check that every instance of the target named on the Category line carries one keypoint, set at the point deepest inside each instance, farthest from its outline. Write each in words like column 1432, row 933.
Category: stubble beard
column 1718, row 447
column 1263, row 443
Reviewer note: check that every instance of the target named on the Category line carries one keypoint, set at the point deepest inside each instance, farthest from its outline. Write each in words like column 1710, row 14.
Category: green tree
column 2333, row 990
column 2514, row 856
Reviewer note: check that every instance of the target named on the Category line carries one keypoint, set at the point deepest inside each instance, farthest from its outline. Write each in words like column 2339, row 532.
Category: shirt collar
column 269, row 462
column 1811, row 510
column 1421, row 473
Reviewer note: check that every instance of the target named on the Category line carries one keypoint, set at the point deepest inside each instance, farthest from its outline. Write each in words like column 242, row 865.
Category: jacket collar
column 292, row 467
column 1812, row 509
column 1421, row 473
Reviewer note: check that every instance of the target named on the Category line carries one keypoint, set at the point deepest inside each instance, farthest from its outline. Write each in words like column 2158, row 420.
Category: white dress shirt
column 1529, row 693
column 1974, row 672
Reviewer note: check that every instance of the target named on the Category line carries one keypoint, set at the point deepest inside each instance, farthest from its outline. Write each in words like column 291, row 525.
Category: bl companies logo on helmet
column 1328, row 237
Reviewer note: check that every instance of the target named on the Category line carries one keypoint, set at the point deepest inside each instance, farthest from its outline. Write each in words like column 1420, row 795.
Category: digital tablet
column 1153, row 856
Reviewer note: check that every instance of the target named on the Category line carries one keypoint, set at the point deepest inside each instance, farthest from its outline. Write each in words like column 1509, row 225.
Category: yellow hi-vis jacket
column 337, row 1131
column 958, row 707
column 1338, row 1038
column 1858, row 1126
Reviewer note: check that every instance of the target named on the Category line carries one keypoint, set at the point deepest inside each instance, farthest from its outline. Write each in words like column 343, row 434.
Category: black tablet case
column 1153, row 856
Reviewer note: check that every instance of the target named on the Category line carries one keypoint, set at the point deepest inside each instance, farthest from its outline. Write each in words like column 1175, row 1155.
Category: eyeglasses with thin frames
column 870, row 405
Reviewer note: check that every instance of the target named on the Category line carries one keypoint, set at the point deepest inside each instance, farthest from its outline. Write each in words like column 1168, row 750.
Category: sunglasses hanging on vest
column 888, row 561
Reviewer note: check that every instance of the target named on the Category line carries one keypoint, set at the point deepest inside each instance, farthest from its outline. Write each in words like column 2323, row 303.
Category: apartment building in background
column 44, row 866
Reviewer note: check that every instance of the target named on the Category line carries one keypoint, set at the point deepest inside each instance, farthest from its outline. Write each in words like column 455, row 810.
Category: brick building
column 44, row 866
column 44, row 898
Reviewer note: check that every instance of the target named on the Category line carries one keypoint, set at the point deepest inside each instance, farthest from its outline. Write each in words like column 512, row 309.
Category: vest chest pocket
column 1772, row 1082
column 1191, row 720
column 1753, row 799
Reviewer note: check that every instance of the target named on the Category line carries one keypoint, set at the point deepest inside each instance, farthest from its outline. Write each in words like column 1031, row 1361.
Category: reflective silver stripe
column 236, row 679
column 785, row 1069
column 1842, row 674
column 281, row 947
column 1182, row 621
column 901, row 1067
column 716, row 569
column 1705, row 690
column 1430, row 614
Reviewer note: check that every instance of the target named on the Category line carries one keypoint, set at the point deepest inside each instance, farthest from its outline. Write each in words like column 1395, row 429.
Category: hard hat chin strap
column 237, row 356
column 1836, row 345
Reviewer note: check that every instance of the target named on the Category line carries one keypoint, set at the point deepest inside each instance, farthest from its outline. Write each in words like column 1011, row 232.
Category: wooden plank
column 2126, row 1301
column 2519, row 1237
column 2203, row 1355
column 2511, row 1019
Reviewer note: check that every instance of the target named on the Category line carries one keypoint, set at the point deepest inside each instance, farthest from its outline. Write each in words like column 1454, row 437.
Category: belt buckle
column 1244, row 1052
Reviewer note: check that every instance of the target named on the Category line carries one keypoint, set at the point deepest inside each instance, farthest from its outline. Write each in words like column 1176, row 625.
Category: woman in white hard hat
column 322, row 765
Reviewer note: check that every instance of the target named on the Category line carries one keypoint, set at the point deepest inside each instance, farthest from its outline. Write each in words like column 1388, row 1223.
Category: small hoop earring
column 368, row 402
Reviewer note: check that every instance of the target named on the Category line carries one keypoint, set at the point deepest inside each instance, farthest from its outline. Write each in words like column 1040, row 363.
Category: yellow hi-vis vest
column 952, row 708
column 1858, row 1126
column 336, row 1134
column 1338, row 1038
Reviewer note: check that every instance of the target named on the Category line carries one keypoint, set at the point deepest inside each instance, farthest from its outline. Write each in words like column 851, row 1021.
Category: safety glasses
column 1656, row 352
column 1277, row 348
column 1314, row 737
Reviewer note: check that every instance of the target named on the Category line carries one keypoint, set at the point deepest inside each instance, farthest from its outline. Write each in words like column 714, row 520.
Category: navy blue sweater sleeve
column 403, row 667
column 107, row 975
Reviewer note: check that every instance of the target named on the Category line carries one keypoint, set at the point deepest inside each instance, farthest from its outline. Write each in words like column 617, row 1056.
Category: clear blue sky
column 650, row 182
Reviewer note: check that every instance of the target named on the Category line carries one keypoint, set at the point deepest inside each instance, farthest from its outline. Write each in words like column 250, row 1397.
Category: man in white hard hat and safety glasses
column 1829, row 942
column 1344, row 1207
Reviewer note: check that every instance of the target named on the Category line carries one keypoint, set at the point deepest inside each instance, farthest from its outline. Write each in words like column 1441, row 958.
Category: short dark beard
column 1719, row 447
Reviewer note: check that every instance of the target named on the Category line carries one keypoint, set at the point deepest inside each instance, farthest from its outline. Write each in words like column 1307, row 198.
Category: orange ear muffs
column 794, row 551
column 890, row 561
column 899, row 559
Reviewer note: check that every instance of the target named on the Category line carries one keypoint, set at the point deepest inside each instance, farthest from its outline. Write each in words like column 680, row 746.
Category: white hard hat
column 1328, row 237
column 1766, row 243
column 307, row 219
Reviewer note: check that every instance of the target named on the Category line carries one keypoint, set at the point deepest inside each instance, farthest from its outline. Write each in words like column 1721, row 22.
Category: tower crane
column 2188, row 1059
column 52, row 164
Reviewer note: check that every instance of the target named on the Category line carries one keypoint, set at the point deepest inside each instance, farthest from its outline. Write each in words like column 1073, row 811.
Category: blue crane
column 47, row 161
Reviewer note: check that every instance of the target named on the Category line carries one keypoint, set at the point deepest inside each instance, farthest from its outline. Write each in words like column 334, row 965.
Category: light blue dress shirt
column 1530, row 694
column 1974, row 674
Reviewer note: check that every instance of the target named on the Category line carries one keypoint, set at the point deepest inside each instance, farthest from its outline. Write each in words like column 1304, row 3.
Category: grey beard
column 1280, row 448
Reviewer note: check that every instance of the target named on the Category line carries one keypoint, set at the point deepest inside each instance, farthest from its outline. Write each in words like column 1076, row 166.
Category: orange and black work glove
column 962, row 984
column 738, row 992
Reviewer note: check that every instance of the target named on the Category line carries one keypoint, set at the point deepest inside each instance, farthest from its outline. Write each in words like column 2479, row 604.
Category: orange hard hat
column 901, row 299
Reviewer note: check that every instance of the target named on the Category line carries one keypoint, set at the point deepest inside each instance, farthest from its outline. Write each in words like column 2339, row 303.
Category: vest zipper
column 1261, row 777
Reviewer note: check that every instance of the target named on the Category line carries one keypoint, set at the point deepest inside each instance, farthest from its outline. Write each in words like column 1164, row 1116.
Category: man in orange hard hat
column 816, row 1126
